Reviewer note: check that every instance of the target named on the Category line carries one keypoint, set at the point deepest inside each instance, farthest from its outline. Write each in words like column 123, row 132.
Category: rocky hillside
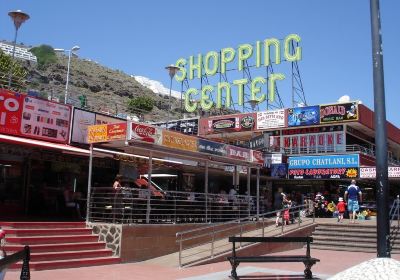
column 107, row 90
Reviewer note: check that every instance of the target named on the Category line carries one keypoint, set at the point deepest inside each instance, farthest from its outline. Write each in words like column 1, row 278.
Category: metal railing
column 142, row 205
column 211, row 241
column 23, row 255
column 394, row 216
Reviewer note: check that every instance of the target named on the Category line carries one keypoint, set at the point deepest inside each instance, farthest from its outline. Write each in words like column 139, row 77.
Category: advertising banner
column 185, row 126
column 179, row 141
column 314, row 142
column 210, row 147
column 227, row 123
column 279, row 170
column 370, row 172
column 239, row 122
column 259, row 142
column 271, row 119
column 45, row 120
column 10, row 112
column 145, row 133
column 303, row 116
column 257, row 156
column 324, row 167
column 82, row 119
column 341, row 112
column 106, row 132
column 238, row 153
column 270, row 159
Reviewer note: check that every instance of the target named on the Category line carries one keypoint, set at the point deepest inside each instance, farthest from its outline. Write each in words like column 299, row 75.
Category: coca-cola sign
column 145, row 133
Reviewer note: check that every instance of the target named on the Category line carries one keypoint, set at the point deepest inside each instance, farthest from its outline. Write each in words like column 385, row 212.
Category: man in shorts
column 352, row 196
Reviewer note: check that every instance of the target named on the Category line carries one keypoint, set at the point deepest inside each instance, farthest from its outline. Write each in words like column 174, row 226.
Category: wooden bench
column 306, row 259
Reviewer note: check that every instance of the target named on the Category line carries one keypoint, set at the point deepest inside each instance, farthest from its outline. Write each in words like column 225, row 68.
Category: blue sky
column 142, row 37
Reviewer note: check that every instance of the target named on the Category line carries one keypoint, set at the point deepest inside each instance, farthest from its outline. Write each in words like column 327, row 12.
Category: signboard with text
column 145, row 133
column 340, row 112
column 10, row 112
column 238, row 153
column 271, row 119
column 179, row 141
column 324, row 167
column 303, row 116
column 210, row 147
column 106, row 132
column 370, row 172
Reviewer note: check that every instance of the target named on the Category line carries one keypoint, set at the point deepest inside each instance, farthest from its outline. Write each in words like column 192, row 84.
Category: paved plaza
column 332, row 262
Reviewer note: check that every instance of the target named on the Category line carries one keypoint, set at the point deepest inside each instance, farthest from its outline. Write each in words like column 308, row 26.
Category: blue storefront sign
column 324, row 167
column 301, row 116
column 210, row 147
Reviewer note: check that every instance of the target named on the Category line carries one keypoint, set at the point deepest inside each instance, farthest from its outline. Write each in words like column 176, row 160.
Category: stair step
column 44, row 265
column 51, row 225
column 52, row 239
column 344, row 234
column 338, row 248
column 66, row 255
column 346, row 229
column 343, row 239
column 60, row 247
column 340, row 243
column 47, row 232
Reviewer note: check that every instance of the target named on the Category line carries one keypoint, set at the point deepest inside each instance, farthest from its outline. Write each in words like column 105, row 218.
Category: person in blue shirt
column 352, row 196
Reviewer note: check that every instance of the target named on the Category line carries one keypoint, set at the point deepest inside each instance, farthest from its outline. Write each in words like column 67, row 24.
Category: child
column 341, row 207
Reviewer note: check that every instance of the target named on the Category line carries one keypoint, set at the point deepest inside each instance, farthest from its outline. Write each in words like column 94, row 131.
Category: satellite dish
column 344, row 98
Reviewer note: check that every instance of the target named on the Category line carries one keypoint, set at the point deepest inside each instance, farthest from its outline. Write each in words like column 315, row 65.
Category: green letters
column 255, row 89
column 215, row 63
column 189, row 106
column 193, row 66
column 205, row 102
column 227, row 55
column 297, row 53
column 271, row 85
column 240, row 83
column 267, row 53
column 227, row 87
column 245, row 51
column 181, row 64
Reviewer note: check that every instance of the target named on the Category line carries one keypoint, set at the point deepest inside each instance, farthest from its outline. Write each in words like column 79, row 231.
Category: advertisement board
column 11, row 106
column 217, row 124
column 341, row 112
column 324, row 167
column 259, row 142
column 270, row 159
column 314, row 142
column 279, row 170
column 82, row 119
column 302, row 116
column 45, row 120
column 257, row 156
column 226, row 123
column 106, row 132
column 179, row 141
column 185, row 126
column 210, row 147
column 145, row 133
column 271, row 119
column 238, row 153
column 370, row 172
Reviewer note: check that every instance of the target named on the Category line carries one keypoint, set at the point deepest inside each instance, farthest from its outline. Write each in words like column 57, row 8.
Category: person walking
column 352, row 196
column 341, row 207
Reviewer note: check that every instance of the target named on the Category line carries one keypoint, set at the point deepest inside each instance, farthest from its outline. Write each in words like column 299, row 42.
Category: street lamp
column 172, row 69
column 73, row 49
column 18, row 18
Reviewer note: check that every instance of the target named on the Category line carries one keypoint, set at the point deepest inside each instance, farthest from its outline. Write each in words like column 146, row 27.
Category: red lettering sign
column 10, row 112
column 144, row 133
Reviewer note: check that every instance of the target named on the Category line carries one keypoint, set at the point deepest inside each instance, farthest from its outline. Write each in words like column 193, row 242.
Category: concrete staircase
column 348, row 237
column 57, row 244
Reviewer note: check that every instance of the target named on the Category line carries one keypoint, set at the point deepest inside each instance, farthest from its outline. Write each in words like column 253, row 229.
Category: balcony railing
column 136, row 205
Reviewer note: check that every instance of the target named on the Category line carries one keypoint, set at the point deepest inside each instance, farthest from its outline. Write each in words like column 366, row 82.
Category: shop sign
column 238, row 153
column 312, row 129
column 82, row 119
column 330, row 141
column 257, row 157
column 228, row 123
column 271, row 119
column 370, row 172
column 45, row 120
column 106, row 132
column 10, row 112
column 209, row 147
column 279, row 170
column 259, row 142
column 270, row 159
column 247, row 122
column 185, row 126
column 240, row 169
column 97, row 133
column 302, row 116
column 145, row 133
column 179, row 141
column 324, row 167
column 341, row 112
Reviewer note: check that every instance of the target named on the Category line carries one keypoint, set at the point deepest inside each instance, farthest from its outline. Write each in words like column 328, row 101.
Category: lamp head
column 75, row 48
column 172, row 69
column 18, row 17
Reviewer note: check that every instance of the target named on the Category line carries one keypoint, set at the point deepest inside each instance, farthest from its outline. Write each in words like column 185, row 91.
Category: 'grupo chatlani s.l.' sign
column 216, row 62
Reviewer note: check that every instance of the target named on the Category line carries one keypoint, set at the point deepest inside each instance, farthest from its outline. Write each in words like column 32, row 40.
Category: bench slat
column 269, row 239
column 274, row 259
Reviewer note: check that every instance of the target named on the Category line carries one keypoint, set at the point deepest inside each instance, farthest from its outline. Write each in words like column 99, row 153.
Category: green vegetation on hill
column 45, row 55
column 18, row 72
column 140, row 103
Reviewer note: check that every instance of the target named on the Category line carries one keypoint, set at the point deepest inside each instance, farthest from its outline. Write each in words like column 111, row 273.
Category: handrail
column 394, row 215
column 239, row 227
column 24, row 255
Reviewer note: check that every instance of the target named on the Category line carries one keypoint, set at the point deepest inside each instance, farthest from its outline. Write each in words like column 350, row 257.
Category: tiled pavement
column 331, row 263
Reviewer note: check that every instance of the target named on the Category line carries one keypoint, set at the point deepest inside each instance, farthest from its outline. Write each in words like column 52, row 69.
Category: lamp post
column 172, row 69
column 73, row 49
column 18, row 18
column 382, row 186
